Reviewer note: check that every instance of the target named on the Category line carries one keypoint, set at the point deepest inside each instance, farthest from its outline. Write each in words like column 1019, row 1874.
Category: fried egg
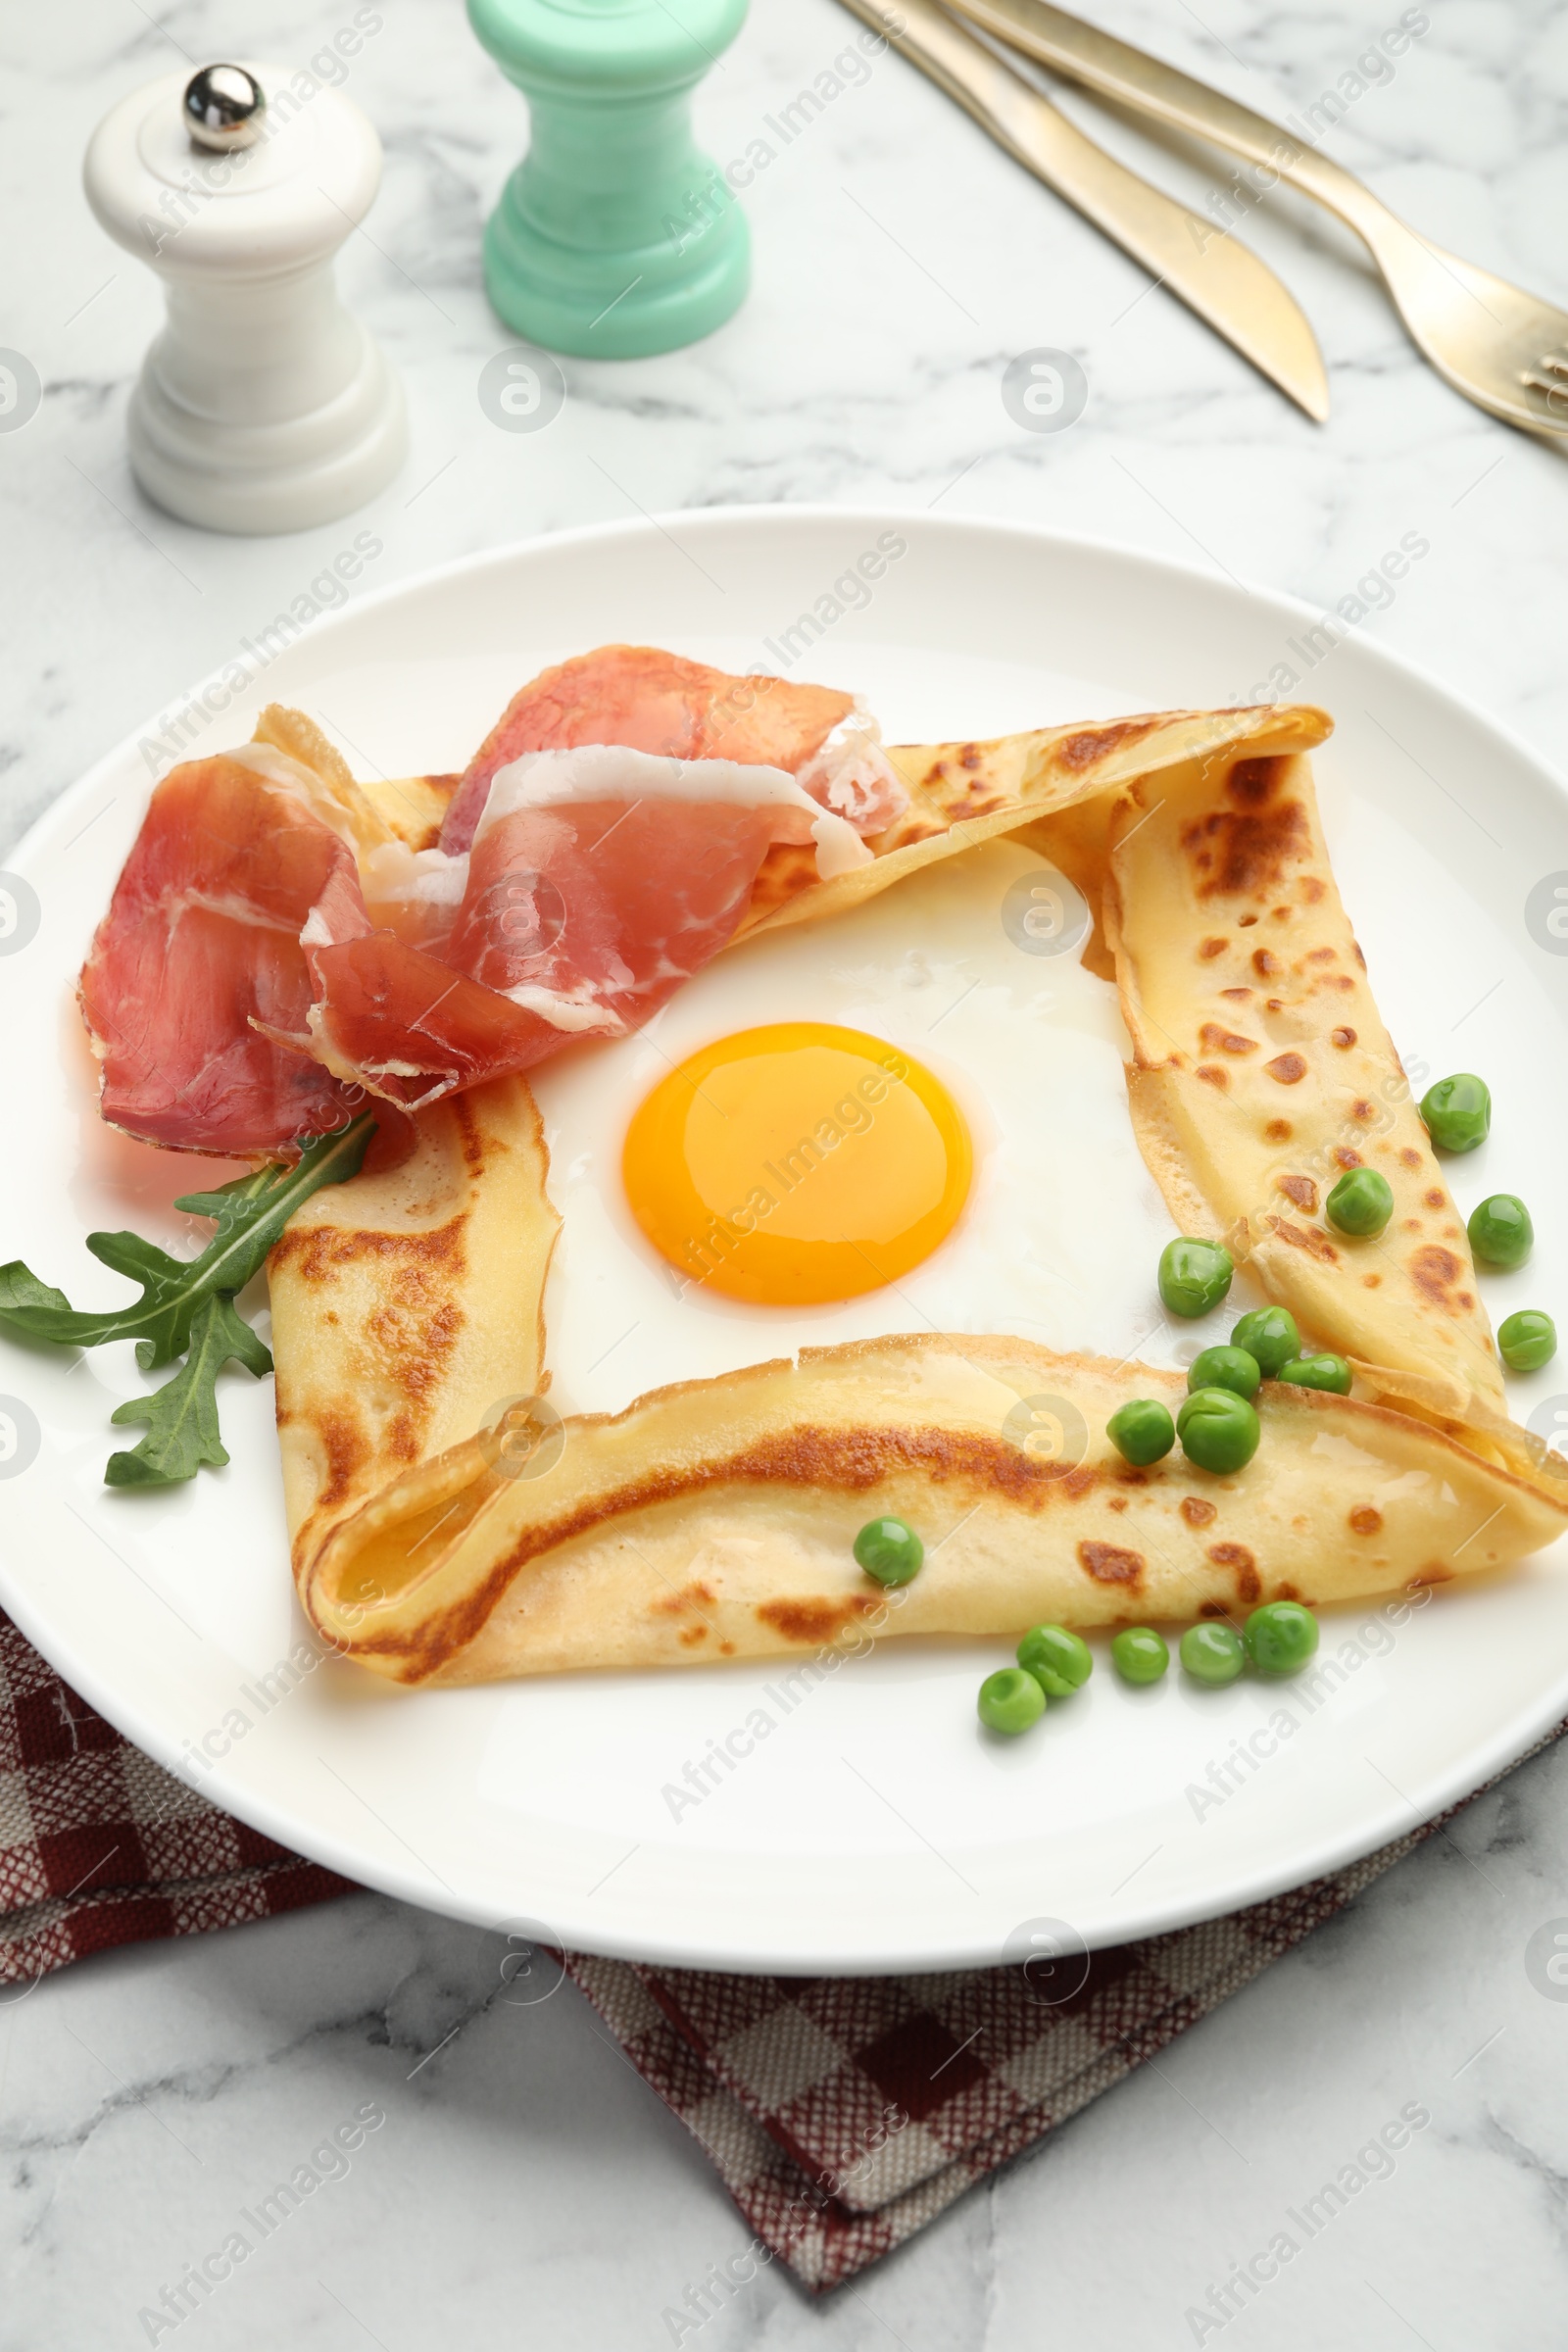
column 1005, row 1194
column 797, row 1163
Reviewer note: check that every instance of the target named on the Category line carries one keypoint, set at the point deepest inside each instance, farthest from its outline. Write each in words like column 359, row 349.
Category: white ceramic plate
column 873, row 1826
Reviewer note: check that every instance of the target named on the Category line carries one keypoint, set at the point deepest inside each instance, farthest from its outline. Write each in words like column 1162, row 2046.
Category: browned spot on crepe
column 689, row 1597
column 813, row 1620
column 1231, row 853
column 1436, row 1272
column 1108, row 1564
column 1316, row 1245
column 1243, row 1565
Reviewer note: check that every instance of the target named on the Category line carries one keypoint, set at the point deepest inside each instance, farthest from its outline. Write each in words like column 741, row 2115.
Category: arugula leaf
column 183, row 1415
column 228, row 1202
column 250, row 1213
column 185, row 1305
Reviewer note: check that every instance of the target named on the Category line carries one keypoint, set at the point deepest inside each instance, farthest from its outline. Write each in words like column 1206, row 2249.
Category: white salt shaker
column 263, row 406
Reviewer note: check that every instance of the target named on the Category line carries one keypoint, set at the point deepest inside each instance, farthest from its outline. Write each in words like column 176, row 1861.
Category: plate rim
column 1245, row 1886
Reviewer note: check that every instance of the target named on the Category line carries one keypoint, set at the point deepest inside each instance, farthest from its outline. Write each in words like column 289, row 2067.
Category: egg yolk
column 797, row 1163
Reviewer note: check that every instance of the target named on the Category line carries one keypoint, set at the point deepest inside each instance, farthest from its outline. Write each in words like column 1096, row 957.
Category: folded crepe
column 1263, row 1072
column 447, row 1527
column 717, row 1518
column 964, row 793
column 409, row 1304
column 960, row 794
column 406, row 809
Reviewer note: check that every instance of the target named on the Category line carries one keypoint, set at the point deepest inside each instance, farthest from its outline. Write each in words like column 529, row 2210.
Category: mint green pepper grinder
column 616, row 237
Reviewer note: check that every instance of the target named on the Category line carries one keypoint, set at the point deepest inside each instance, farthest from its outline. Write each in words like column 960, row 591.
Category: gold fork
column 1505, row 350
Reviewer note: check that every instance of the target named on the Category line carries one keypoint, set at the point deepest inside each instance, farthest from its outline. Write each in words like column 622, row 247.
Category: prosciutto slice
column 275, row 950
column 599, row 879
column 201, row 942
column 651, row 702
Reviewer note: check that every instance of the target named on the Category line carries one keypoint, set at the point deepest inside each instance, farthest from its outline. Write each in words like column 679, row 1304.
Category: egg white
column 1061, row 1235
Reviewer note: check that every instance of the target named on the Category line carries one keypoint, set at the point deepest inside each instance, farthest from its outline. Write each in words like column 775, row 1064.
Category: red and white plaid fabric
column 99, row 1845
column 842, row 2113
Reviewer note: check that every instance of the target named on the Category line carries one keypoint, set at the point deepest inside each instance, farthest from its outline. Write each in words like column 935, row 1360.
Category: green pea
column 1457, row 1113
column 1270, row 1338
column 1211, row 1652
column 1329, row 1372
column 889, row 1550
column 1527, row 1340
column 1059, row 1661
column 1141, row 1430
column 1193, row 1276
column 1361, row 1202
column 1139, row 1654
column 1281, row 1636
column 1219, row 1430
column 1010, row 1700
column 1501, row 1232
column 1225, row 1368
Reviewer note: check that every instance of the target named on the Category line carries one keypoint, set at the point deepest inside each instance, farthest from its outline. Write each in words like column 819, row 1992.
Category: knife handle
column 1028, row 126
column 1219, row 279
column 1148, row 86
column 957, row 64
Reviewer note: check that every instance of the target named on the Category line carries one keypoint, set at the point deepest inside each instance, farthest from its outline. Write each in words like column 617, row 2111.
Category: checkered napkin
column 99, row 1845
column 843, row 2113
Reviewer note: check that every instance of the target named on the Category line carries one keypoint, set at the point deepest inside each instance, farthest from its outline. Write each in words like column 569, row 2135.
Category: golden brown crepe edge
column 1153, row 1085
column 391, row 1333
column 964, row 793
column 432, row 1627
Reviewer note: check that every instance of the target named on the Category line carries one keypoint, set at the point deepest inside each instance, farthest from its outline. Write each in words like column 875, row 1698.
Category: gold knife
column 1214, row 274
column 1496, row 344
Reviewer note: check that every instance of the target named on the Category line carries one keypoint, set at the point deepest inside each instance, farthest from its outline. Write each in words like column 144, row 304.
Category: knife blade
column 1217, row 277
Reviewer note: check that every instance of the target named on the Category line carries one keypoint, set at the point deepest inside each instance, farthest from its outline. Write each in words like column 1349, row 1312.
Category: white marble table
column 525, row 2187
